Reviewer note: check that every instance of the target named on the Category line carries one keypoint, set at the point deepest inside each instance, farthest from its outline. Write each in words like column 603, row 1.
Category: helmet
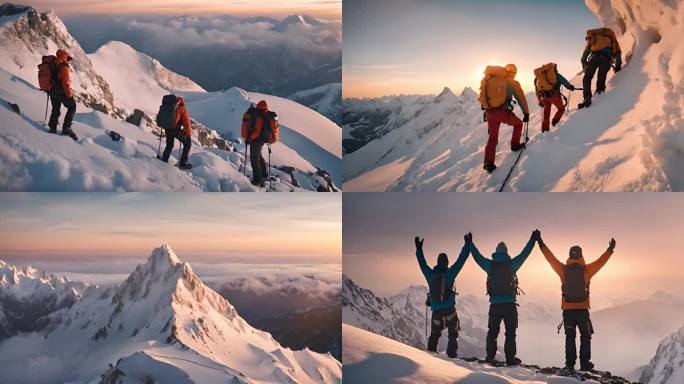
column 511, row 68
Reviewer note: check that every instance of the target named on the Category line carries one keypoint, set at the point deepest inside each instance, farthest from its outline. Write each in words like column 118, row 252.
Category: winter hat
column 575, row 252
column 262, row 105
column 501, row 248
column 443, row 260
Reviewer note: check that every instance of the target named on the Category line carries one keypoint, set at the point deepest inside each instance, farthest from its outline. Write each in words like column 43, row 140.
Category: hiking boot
column 489, row 167
column 585, row 104
column 567, row 371
column 513, row 361
column 587, row 367
column 517, row 147
column 489, row 360
column 53, row 129
column 70, row 133
column 185, row 165
column 598, row 92
column 554, row 123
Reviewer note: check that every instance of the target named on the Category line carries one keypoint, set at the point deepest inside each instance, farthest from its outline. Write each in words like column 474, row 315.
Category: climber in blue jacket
column 502, row 288
column 442, row 296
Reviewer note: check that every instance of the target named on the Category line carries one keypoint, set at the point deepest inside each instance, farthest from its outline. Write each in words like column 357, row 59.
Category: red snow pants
column 557, row 101
column 494, row 119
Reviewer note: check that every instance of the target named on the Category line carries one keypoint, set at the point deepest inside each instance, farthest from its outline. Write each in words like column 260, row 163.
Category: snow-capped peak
column 164, row 255
column 445, row 94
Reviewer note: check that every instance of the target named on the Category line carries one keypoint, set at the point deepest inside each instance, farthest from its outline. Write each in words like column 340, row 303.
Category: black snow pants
column 57, row 99
column 508, row 312
column 601, row 63
column 259, row 169
column 573, row 319
column 171, row 136
column 445, row 318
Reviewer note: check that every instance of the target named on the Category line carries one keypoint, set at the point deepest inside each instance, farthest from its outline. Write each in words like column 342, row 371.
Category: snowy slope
column 137, row 80
column 372, row 358
column 667, row 366
column 165, row 324
column 631, row 139
column 38, row 162
column 326, row 100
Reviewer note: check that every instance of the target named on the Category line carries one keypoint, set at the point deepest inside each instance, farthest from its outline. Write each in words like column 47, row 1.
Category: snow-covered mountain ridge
column 163, row 323
column 631, row 139
column 667, row 366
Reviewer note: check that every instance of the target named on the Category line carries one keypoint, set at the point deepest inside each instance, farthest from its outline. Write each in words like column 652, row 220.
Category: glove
column 482, row 107
column 611, row 245
column 419, row 243
column 526, row 118
column 617, row 68
column 468, row 238
column 541, row 104
column 572, row 87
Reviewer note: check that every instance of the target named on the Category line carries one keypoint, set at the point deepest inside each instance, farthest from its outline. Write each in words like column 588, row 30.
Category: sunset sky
column 419, row 47
column 203, row 227
column 329, row 9
column 379, row 229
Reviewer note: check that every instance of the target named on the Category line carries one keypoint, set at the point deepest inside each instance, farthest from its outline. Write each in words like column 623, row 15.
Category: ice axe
column 270, row 180
column 244, row 166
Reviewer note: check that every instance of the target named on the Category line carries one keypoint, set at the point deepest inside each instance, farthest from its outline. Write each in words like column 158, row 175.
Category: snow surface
column 372, row 358
column 325, row 99
column 137, row 80
column 631, row 139
column 162, row 323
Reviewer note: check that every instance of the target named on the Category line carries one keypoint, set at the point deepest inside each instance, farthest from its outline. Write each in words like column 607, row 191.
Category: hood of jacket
column 181, row 101
column 500, row 257
column 62, row 56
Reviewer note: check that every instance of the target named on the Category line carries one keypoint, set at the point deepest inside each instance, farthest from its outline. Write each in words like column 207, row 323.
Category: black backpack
column 575, row 288
column 439, row 291
column 502, row 280
column 166, row 117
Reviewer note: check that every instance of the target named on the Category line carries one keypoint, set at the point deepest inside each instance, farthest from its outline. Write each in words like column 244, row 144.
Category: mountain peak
column 445, row 94
column 164, row 255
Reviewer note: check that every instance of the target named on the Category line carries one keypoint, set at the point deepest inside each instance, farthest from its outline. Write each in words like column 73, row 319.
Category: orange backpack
column 494, row 87
column 272, row 129
column 47, row 73
column 602, row 38
column 545, row 77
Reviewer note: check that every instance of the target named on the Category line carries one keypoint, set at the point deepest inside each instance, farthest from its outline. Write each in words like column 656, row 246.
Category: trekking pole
column 159, row 147
column 270, row 180
column 179, row 152
column 510, row 172
column 426, row 321
column 244, row 167
column 47, row 101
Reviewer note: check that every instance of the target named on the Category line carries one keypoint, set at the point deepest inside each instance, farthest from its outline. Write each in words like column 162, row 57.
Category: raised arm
column 596, row 266
column 519, row 95
column 421, row 258
column 462, row 257
column 482, row 261
column 518, row 261
column 549, row 256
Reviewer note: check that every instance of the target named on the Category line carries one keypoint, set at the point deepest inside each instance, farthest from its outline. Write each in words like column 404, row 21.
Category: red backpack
column 47, row 73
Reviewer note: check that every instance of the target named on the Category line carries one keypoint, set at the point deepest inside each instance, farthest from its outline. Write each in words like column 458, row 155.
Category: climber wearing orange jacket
column 182, row 132
column 575, row 277
column 497, row 91
column 62, row 94
column 259, row 127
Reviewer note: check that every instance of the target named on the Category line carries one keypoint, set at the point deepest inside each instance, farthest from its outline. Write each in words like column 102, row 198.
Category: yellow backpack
column 545, row 77
column 602, row 38
column 494, row 87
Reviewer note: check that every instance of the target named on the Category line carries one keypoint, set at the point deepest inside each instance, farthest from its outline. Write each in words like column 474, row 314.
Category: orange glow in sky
column 330, row 9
